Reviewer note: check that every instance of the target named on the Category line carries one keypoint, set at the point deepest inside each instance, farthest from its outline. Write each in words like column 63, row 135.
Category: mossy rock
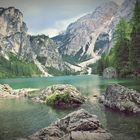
column 128, row 106
column 56, row 98
column 63, row 96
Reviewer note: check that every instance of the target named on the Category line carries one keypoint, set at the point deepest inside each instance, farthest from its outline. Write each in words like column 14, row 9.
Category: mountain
column 13, row 32
column 45, row 51
column 14, row 39
column 82, row 44
column 92, row 35
column 80, row 37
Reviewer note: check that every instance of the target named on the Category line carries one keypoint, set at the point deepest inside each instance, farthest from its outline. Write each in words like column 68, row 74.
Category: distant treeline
column 15, row 67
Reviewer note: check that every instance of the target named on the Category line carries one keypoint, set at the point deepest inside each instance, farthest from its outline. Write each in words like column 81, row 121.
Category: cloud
column 51, row 32
column 58, row 27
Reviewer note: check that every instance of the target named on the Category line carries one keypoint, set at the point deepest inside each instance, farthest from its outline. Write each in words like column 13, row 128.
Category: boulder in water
column 109, row 73
column 60, row 96
column 121, row 98
column 79, row 125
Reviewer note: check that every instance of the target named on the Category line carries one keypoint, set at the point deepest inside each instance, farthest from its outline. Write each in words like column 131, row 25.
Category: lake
column 22, row 117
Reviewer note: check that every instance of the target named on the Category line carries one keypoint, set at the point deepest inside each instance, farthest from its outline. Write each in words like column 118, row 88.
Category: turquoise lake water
column 22, row 117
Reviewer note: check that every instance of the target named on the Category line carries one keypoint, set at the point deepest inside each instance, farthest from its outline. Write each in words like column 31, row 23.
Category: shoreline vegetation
column 14, row 67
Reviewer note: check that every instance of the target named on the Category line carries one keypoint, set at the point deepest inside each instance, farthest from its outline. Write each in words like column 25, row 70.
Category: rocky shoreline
column 120, row 98
column 7, row 92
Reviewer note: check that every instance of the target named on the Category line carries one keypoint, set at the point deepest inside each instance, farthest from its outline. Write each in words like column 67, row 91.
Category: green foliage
column 57, row 97
column 123, row 30
column 119, row 55
column 128, row 105
column 15, row 67
column 121, row 48
column 103, row 63
column 135, row 41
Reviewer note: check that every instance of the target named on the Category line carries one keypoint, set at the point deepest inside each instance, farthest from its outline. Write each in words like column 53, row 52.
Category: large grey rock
column 79, row 125
column 60, row 96
column 109, row 73
column 121, row 98
column 13, row 33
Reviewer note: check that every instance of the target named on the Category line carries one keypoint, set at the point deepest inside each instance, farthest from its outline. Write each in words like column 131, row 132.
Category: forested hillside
column 125, row 54
column 15, row 67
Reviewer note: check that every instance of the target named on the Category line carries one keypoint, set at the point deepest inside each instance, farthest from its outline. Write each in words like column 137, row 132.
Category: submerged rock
column 79, row 125
column 122, row 98
column 60, row 96
column 109, row 73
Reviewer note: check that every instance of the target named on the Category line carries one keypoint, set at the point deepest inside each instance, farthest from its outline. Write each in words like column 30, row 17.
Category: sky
column 51, row 17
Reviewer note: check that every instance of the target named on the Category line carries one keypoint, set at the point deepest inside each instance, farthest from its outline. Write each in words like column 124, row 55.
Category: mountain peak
column 81, row 35
column 11, row 21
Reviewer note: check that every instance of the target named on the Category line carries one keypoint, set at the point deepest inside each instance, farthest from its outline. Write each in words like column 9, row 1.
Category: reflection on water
column 20, row 117
column 122, row 126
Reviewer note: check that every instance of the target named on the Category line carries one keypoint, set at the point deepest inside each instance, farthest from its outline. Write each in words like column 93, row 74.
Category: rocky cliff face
column 11, row 21
column 14, row 39
column 46, row 52
column 80, row 36
column 92, row 34
column 13, row 32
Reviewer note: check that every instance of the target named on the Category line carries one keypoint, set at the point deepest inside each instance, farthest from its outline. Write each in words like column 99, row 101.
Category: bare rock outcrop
column 63, row 96
column 120, row 98
column 79, row 125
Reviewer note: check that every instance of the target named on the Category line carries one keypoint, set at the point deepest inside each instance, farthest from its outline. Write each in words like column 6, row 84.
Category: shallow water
column 21, row 117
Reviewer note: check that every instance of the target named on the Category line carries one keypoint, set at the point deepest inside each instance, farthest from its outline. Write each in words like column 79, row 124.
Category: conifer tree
column 135, row 40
